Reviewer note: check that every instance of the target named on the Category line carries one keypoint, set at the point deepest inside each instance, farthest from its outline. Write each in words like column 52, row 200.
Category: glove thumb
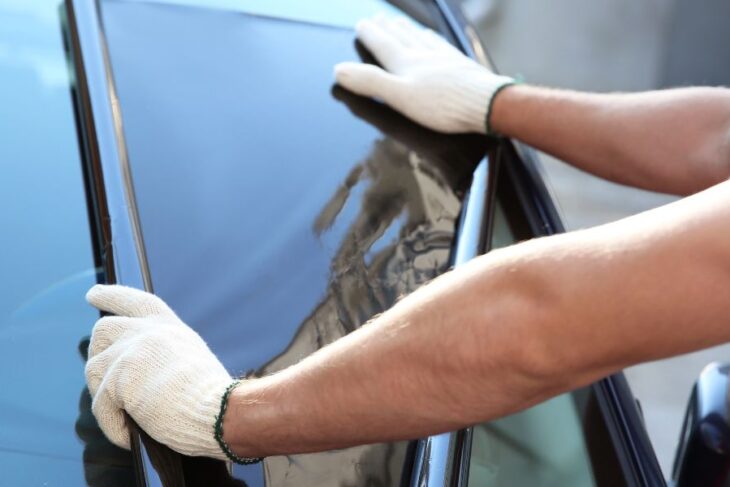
column 367, row 80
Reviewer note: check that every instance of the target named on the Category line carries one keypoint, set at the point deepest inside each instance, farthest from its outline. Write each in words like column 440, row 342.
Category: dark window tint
column 278, row 212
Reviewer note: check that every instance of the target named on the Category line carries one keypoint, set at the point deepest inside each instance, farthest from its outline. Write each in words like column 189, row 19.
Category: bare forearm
column 674, row 141
column 504, row 332
column 647, row 287
column 417, row 369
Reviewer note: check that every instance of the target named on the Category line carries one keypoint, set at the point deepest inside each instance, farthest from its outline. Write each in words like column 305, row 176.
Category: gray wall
column 616, row 45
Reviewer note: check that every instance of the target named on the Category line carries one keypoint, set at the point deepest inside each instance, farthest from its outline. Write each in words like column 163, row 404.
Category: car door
column 274, row 211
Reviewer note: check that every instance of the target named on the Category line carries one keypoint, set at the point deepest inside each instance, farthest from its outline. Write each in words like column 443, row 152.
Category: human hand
column 147, row 362
column 455, row 154
column 425, row 78
column 105, row 464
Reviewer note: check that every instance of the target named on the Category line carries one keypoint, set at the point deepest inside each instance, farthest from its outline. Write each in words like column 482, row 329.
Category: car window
column 541, row 446
column 278, row 211
column 48, row 435
column 560, row 442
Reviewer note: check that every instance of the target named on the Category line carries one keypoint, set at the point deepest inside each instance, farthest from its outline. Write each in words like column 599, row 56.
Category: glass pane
column 278, row 213
column 502, row 234
column 560, row 442
column 47, row 433
column 542, row 446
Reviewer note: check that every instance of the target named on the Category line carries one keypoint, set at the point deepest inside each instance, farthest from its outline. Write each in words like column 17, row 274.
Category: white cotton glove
column 147, row 362
column 425, row 77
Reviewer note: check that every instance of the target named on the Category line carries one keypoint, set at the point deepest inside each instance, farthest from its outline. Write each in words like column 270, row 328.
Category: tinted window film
column 48, row 435
column 278, row 213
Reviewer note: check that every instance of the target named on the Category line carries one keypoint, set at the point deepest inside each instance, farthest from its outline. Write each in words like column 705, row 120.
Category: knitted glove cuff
column 505, row 83
column 219, row 429
column 467, row 106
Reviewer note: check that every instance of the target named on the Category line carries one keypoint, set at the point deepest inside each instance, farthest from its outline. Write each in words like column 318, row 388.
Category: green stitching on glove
column 487, row 124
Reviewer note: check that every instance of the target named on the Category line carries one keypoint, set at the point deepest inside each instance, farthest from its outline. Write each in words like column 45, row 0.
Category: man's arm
column 673, row 141
column 499, row 334
column 503, row 332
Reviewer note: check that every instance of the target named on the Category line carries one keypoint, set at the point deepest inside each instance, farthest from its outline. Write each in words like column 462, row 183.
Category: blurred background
column 615, row 45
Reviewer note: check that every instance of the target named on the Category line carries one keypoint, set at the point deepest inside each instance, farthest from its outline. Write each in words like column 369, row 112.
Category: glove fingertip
column 93, row 377
column 340, row 68
column 112, row 421
column 126, row 301
column 94, row 292
column 344, row 71
column 122, row 439
column 103, row 296
column 362, row 25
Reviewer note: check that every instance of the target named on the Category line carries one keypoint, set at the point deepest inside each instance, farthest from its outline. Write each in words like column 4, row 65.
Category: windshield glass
column 47, row 433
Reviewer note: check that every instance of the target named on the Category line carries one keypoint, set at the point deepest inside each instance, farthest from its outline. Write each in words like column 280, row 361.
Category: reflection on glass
column 278, row 214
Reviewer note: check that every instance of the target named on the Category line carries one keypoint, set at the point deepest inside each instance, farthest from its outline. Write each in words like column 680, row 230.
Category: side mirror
column 703, row 453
